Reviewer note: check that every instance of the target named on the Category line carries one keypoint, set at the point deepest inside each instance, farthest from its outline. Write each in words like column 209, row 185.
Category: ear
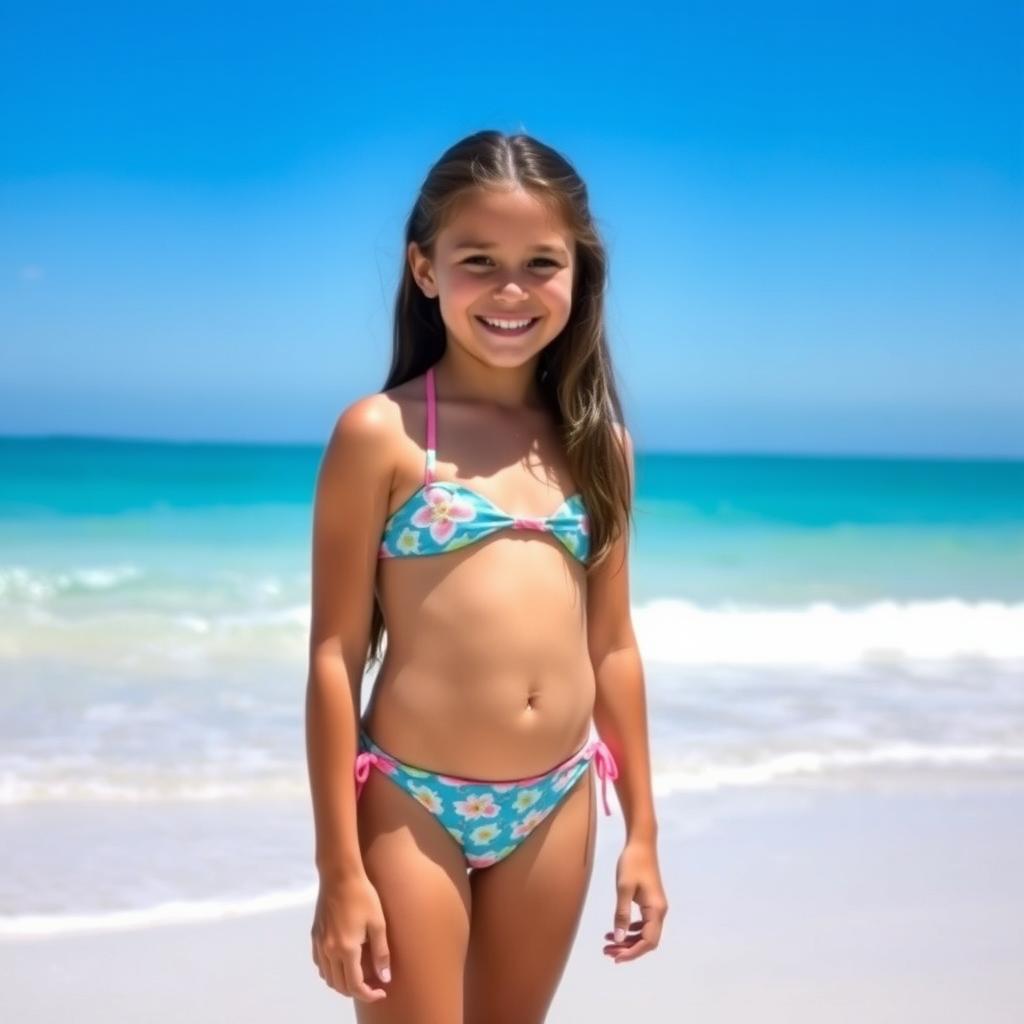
column 422, row 271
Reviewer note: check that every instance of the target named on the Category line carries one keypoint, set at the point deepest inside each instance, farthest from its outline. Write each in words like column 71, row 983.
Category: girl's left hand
column 637, row 881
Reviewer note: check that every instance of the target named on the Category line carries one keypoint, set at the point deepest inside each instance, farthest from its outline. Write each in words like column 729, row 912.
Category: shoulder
column 368, row 419
column 366, row 424
column 376, row 425
column 363, row 445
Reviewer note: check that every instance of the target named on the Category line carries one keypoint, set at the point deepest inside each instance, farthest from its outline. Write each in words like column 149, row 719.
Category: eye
column 539, row 259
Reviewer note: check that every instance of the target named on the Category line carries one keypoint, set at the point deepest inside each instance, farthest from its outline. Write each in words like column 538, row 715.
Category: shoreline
column 786, row 905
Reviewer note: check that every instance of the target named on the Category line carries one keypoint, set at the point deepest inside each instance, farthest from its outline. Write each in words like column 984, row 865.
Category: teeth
column 506, row 324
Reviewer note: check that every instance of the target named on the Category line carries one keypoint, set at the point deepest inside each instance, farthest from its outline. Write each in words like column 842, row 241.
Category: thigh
column 525, row 913
column 420, row 875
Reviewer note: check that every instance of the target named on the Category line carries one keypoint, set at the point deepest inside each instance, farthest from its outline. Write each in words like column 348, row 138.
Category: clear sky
column 814, row 212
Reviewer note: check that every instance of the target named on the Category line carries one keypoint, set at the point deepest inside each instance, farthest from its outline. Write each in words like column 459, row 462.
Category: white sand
column 786, row 906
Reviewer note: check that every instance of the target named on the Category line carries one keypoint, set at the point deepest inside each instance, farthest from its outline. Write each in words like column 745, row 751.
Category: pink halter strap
column 428, row 474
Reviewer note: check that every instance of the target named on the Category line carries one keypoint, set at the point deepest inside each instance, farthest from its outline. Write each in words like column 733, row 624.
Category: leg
column 525, row 912
column 420, row 874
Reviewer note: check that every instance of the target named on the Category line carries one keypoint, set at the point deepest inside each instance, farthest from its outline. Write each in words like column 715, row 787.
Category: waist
column 498, row 727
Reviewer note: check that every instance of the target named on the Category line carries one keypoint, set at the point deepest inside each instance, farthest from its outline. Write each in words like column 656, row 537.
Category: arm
column 352, row 493
column 350, row 507
column 620, row 715
column 620, row 708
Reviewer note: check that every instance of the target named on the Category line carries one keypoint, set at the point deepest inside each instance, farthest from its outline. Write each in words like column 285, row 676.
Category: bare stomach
column 486, row 673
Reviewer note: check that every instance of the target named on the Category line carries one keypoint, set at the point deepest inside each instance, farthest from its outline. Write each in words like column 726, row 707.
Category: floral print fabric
column 487, row 819
column 442, row 517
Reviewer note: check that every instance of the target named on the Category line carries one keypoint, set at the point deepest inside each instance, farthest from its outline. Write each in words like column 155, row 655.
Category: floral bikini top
column 444, row 516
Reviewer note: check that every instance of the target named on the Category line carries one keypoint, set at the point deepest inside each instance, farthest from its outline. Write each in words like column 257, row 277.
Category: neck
column 464, row 379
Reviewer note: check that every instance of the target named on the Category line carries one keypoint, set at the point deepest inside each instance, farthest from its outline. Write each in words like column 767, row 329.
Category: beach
column 791, row 905
column 777, row 251
column 833, row 657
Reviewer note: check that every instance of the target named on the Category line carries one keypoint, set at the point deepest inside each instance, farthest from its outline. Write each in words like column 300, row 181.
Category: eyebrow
column 470, row 244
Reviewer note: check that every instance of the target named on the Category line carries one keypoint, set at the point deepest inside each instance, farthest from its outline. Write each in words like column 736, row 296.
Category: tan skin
column 498, row 657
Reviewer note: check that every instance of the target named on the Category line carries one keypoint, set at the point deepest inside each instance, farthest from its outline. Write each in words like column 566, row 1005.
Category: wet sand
column 787, row 905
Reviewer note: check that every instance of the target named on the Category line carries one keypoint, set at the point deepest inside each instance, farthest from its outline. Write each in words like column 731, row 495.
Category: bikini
column 443, row 516
column 487, row 818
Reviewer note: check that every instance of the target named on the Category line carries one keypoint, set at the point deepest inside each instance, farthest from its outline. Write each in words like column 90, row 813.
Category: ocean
column 803, row 621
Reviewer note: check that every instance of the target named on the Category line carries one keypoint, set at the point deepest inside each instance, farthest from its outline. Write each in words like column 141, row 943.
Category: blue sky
column 814, row 212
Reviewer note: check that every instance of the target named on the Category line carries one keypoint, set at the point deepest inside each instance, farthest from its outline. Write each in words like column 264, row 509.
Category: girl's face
column 502, row 255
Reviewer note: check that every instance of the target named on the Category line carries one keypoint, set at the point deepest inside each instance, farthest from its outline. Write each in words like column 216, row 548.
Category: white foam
column 681, row 632
column 698, row 777
column 172, row 912
column 668, row 630
column 777, row 768
column 35, row 585
column 706, row 773
column 76, row 789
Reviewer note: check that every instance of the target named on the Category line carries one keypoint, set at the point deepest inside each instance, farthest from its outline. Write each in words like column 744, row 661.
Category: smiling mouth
column 507, row 332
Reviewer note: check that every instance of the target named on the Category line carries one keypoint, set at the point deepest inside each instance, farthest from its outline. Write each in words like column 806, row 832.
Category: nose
column 511, row 290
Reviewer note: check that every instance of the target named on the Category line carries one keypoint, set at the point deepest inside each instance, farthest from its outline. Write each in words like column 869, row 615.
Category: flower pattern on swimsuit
column 484, row 834
column 528, row 823
column 480, row 805
column 525, row 799
column 440, row 512
column 443, row 517
column 427, row 797
column 488, row 819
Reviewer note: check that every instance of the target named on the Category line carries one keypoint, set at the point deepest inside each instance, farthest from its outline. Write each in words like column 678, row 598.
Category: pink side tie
column 607, row 769
column 362, row 769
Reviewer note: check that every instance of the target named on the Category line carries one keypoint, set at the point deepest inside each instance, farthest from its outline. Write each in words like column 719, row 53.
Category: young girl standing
column 479, row 507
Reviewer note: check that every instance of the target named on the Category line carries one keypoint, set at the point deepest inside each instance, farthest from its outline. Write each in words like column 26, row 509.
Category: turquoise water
column 708, row 528
column 790, row 529
column 814, row 621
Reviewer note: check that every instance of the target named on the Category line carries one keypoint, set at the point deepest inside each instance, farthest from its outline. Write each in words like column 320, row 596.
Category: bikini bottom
column 488, row 819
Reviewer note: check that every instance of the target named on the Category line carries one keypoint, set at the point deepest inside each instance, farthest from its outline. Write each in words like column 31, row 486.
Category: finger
column 614, row 948
column 654, row 911
column 637, row 950
column 354, row 976
column 621, row 920
column 648, row 940
column 634, row 926
column 332, row 975
column 340, row 979
column 379, row 954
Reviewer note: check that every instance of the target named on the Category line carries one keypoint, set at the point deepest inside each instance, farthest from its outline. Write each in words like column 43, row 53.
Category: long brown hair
column 574, row 371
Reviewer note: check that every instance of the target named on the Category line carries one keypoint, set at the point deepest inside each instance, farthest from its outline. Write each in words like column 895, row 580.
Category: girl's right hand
column 348, row 911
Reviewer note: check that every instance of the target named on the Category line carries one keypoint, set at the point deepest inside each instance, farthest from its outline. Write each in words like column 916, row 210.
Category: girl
column 479, row 507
